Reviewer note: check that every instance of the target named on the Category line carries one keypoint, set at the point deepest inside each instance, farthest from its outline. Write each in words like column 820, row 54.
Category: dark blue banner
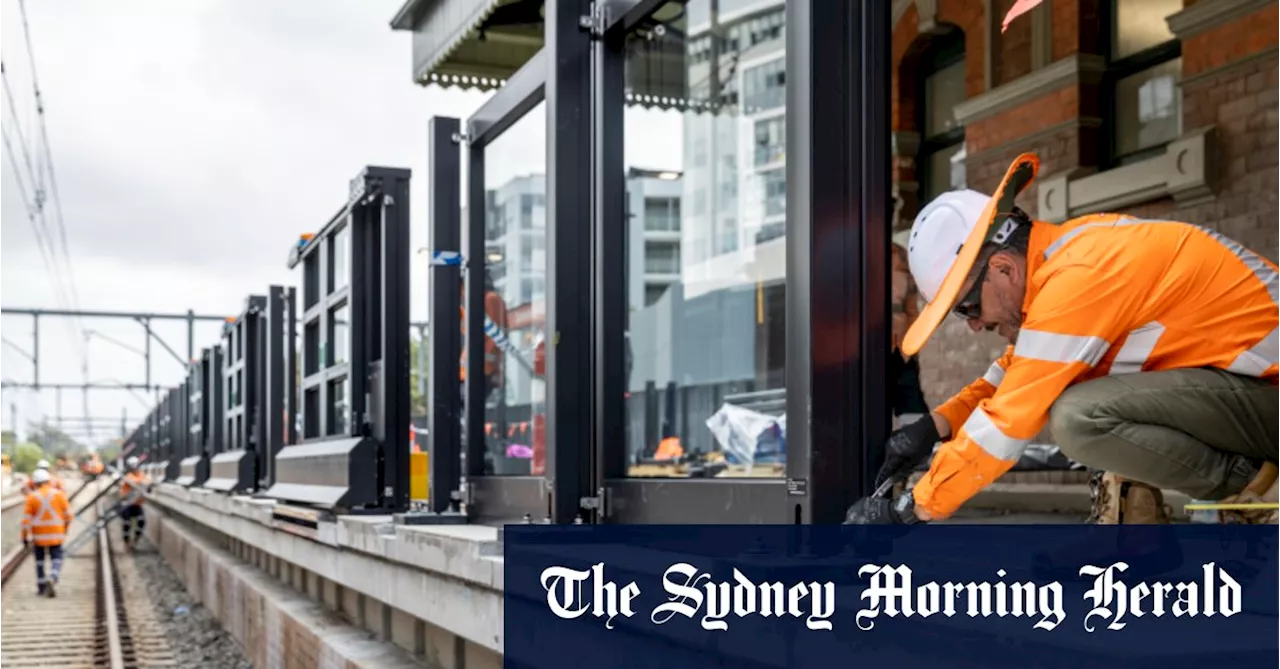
column 670, row 597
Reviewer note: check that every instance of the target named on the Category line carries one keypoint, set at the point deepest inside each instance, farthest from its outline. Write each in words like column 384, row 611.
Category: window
column 662, row 259
column 764, row 87
column 771, row 140
column 941, row 73
column 775, row 192
column 653, row 294
column 1142, row 79
column 662, row 214
column 339, row 336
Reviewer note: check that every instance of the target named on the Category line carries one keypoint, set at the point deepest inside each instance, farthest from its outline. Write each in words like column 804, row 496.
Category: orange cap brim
column 1020, row 174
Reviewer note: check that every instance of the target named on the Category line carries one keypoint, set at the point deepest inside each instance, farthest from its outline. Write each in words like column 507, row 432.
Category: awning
column 479, row 44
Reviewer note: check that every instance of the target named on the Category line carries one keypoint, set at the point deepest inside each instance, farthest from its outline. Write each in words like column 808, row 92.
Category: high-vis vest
column 132, row 486
column 1106, row 294
column 46, row 516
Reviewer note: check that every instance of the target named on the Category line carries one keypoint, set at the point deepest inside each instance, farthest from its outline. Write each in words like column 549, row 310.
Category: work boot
column 41, row 588
column 1121, row 501
column 1117, row 501
column 48, row 590
column 1262, row 489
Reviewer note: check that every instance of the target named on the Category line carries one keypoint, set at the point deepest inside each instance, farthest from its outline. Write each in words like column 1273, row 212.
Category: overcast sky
column 193, row 141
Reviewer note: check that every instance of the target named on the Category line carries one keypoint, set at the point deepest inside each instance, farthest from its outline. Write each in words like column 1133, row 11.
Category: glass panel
column 340, row 259
column 339, row 407
column 943, row 90
column 311, row 413
column 515, row 296
column 1140, row 24
column 311, row 279
column 340, row 336
column 311, row 348
column 715, row 333
column 1148, row 108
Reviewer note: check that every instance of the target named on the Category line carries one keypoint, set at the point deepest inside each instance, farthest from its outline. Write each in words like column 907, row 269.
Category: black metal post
column 474, row 388
column 279, row 375
column 610, row 226
column 444, row 438
column 394, row 344
column 569, row 214
column 837, row 252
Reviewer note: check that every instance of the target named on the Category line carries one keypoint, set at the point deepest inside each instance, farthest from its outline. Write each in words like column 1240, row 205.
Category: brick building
column 1159, row 108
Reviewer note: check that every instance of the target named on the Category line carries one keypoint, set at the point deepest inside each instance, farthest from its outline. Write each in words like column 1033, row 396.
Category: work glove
column 26, row 543
column 907, row 447
column 883, row 511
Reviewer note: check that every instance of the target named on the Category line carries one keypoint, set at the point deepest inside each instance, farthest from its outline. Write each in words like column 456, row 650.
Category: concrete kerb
column 442, row 578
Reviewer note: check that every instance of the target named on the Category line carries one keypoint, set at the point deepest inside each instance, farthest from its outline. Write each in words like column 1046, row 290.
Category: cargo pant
column 1202, row 432
column 133, row 521
column 55, row 563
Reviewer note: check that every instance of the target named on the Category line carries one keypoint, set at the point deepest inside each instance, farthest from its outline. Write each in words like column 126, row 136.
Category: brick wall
column 1229, row 80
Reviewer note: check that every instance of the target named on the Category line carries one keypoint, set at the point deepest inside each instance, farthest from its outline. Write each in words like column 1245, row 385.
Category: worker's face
column 993, row 298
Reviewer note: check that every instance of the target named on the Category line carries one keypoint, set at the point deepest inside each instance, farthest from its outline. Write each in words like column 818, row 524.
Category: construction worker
column 132, row 487
column 1149, row 348
column 45, row 521
column 42, row 465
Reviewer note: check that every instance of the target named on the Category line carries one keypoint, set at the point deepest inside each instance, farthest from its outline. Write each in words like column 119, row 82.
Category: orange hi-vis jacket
column 46, row 516
column 132, row 486
column 1106, row 294
column 30, row 486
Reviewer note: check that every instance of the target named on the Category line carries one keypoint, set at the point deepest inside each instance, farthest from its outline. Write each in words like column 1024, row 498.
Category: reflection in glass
column 706, row 363
column 1141, row 24
column 515, row 273
column 340, row 335
column 1148, row 108
column 339, row 406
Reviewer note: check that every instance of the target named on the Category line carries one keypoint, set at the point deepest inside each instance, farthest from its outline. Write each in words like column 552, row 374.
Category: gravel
column 194, row 636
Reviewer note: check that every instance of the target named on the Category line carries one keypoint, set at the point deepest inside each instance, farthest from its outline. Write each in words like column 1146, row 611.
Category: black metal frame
column 279, row 376
column 233, row 467
column 444, row 399
column 364, row 464
column 838, row 244
column 495, row 498
column 204, row 416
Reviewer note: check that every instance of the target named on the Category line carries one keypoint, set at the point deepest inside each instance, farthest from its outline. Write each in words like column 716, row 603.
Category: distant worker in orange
column 1149, row 347
column 45, row 521
column 54, row 481
column 133, row 486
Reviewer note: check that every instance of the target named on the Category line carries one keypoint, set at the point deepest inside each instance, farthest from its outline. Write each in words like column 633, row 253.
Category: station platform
column 370, row 592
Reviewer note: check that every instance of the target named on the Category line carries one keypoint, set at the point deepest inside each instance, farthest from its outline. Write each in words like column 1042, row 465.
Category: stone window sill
column 1185, row 172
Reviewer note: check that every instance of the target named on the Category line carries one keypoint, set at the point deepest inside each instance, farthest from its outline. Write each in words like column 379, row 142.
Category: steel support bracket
column 595, row 22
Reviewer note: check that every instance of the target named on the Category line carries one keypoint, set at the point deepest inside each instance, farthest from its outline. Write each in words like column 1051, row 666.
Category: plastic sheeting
column 748, row 437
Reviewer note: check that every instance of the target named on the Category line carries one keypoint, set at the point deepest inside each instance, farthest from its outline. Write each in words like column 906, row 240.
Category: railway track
column 101, row 616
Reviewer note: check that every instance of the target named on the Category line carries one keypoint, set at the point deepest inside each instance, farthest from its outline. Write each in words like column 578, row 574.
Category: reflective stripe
column 994, row 375
column 1266, row 352
column 51, row 519
column 1001, row 446
column 1137, row 349
column 1065, row 348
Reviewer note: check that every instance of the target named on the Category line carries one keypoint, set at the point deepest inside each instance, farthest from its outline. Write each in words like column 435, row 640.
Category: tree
column 417, row 400
column 53, row 440
column 25, row 456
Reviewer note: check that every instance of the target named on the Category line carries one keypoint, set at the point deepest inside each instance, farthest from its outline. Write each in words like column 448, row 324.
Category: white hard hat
column 43, row 464
column 938, row 233
column 40, row 476
column 131, row 462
